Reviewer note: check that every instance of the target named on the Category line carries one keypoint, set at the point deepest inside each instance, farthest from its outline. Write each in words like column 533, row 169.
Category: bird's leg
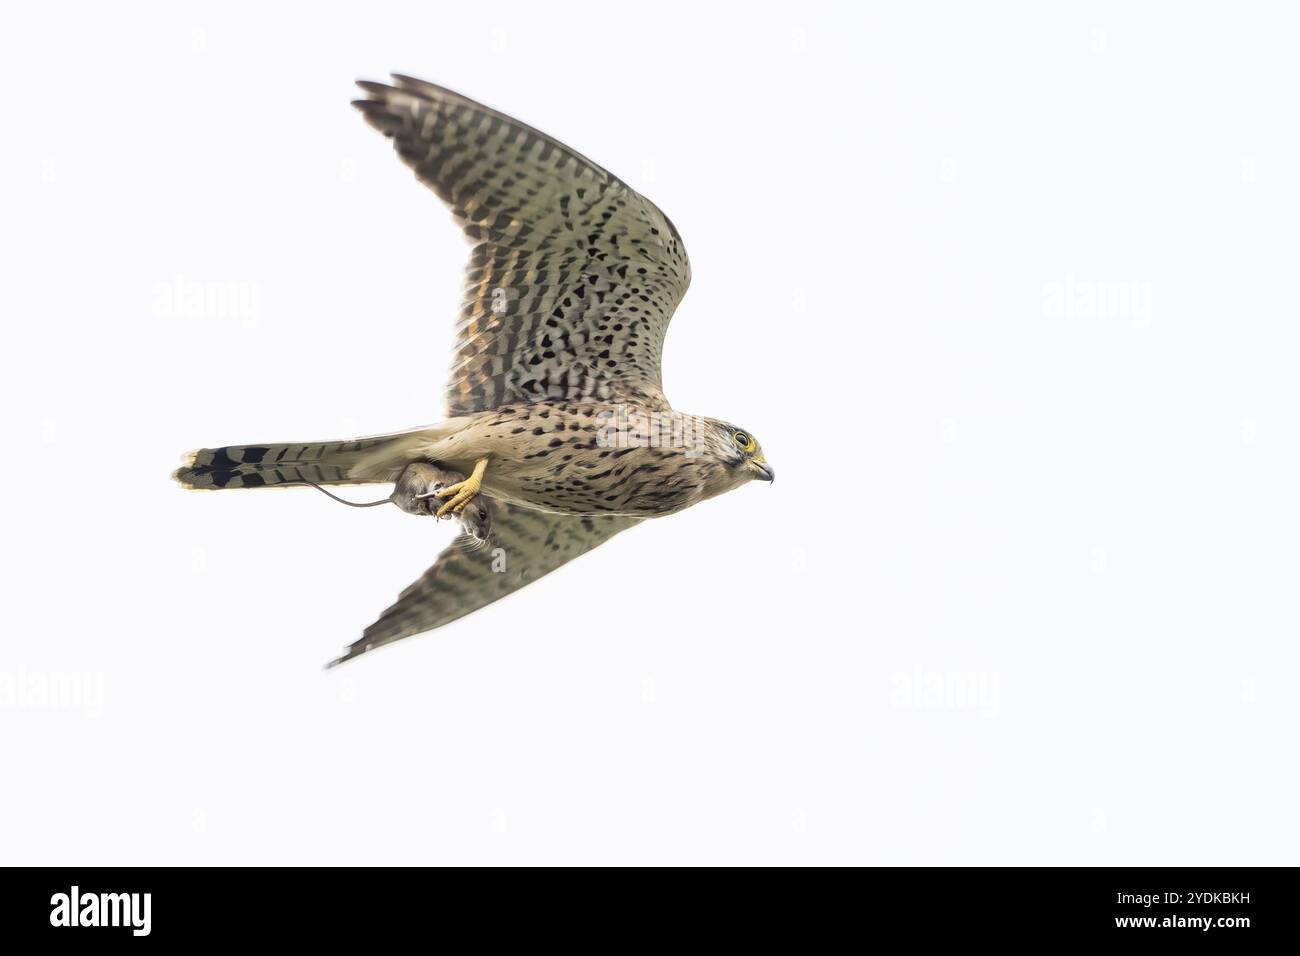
column 462, row 491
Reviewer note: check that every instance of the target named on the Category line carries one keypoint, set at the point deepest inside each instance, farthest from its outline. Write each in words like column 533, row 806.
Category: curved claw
column 461, row 496
column 462, row 492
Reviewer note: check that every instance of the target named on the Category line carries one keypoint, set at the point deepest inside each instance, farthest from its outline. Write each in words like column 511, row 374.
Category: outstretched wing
column 573, row 276
column 525, row 546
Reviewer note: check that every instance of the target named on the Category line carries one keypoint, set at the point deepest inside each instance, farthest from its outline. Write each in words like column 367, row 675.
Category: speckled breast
column 593, row 459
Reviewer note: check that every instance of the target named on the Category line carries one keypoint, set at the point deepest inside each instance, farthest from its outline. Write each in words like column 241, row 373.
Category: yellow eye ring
column 744, row 441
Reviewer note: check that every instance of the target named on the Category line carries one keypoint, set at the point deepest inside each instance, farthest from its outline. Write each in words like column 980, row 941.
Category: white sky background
column 1008, row 296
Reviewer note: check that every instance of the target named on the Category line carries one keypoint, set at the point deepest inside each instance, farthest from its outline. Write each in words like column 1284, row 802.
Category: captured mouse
column 416, row 493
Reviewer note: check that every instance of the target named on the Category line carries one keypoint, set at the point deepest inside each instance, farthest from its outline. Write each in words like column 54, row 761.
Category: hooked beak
column 762, row 470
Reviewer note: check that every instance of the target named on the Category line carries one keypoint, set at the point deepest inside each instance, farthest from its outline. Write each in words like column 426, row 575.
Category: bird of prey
column 554, row 412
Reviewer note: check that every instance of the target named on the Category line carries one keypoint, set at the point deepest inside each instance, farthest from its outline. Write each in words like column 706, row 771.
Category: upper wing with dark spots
column 525, row 546
column 573, row 276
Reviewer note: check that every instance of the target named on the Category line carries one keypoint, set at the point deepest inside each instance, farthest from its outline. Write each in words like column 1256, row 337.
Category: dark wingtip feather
column 351, row 652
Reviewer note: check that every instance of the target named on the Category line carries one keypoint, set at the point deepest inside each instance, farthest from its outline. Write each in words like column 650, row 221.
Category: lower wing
column 525, row 546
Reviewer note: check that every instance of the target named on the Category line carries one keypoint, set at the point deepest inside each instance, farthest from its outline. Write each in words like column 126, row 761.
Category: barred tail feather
column 325, row 463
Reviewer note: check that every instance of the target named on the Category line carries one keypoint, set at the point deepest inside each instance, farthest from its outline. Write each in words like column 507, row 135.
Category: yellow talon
column 462, row 491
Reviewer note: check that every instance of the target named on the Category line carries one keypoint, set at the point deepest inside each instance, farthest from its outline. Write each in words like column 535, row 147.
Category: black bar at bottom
column 135, row 907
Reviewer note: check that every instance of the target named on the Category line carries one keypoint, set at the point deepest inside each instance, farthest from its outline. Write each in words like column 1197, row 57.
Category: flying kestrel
column 555, row 414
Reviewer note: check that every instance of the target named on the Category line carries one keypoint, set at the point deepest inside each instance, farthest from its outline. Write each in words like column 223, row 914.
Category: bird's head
column 739, row 451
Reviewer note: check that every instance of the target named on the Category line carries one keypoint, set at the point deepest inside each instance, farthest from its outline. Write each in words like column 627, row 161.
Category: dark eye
column 742, row 439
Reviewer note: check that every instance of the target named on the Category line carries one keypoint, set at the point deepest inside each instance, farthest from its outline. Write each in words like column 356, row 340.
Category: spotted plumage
column 555, row 408
column 573, row 276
